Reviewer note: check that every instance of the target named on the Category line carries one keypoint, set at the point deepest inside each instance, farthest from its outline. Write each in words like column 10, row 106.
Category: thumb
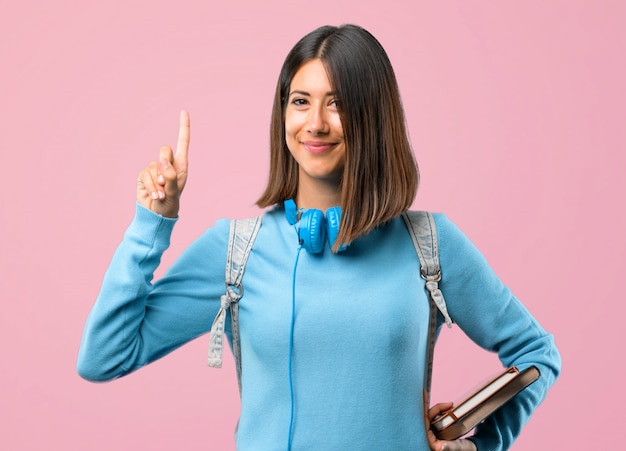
column 458, row 445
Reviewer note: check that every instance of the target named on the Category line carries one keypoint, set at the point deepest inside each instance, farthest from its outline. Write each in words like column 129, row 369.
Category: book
column 465, row 416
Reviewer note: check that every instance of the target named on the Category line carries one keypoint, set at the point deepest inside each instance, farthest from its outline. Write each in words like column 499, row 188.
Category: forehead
column 311, row 76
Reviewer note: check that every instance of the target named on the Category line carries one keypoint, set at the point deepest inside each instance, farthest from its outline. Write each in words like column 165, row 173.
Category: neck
column 319, row 195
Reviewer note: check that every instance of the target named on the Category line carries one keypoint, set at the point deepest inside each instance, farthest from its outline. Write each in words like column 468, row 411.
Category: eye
column 298, row 101
column 334, row 103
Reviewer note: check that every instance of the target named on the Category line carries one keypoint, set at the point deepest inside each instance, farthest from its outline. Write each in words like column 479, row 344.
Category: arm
column 496, row 320
column 134, row 322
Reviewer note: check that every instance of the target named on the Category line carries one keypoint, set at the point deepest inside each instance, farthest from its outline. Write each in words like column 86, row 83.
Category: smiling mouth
column 318, row 147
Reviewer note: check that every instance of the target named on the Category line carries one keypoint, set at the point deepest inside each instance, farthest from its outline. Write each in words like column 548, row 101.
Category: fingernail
column 161, row 194
column 154, row 195
column 160, row 178
column 164, row 163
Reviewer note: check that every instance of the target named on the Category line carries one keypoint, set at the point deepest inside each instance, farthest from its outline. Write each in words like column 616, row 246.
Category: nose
column 317, row 122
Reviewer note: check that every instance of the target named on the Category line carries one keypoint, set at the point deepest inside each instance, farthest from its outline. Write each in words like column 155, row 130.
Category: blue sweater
column 360, row 331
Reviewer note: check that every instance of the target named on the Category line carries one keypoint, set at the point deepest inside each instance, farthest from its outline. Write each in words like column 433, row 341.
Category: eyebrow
column 304, row 93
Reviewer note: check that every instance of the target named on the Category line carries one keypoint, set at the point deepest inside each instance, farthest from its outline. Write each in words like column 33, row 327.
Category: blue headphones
column 314, row 227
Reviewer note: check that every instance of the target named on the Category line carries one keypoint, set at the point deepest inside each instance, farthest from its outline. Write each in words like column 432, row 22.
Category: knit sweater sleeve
column 135, row 321
column 486, row 310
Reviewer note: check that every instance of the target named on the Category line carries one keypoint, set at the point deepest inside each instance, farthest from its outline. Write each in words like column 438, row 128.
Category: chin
column 323, row 173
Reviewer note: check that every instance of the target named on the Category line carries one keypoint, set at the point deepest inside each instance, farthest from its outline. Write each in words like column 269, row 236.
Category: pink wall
column 516, row 113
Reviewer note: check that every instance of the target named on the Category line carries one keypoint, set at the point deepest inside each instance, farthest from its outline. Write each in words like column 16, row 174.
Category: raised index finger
column 182, row 146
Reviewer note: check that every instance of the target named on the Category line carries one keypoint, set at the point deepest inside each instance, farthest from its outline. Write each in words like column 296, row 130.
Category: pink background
column 516, row 115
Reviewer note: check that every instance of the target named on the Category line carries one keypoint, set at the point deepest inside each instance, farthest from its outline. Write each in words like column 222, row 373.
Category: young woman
column 333, row 335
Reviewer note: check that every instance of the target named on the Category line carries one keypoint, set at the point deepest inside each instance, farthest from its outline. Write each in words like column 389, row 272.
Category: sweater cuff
column 485, row 445
column 150, row 227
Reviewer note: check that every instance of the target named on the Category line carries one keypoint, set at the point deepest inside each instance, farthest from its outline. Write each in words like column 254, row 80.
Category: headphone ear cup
column 333, row 218
column 333, row 221
column 313, row 230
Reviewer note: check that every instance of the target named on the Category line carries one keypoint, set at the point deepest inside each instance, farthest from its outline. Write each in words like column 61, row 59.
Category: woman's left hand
column 445, row 445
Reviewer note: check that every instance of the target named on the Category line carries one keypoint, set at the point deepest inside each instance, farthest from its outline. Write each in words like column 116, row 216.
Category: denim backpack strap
column 242, row 234
column 421, row 226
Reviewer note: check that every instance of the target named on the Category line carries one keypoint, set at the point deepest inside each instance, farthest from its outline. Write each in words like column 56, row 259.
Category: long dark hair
column 380, row 176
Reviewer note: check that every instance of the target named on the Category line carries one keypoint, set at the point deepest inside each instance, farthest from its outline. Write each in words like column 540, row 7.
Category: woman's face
column 313, row 129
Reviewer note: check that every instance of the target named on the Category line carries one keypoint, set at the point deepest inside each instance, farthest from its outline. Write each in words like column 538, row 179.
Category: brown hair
column 380, row 176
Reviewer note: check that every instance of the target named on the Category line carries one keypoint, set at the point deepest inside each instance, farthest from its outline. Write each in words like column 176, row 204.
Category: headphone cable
column 291, row 328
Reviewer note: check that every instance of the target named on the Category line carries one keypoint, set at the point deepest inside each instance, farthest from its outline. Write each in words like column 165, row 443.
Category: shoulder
column 272, row 213
column 444, row 228
column 448, row 231
column 222, row 226
column 458, row 254
column 454, row 245
column 267, row 223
